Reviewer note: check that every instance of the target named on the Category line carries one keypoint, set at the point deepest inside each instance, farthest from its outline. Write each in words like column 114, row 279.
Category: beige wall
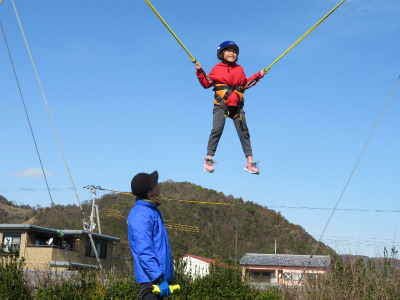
column 38, row 257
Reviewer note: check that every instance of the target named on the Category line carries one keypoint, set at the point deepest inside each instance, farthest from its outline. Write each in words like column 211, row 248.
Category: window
column 263, row 276
column 291, row 276
column 310, row 277
column 101, row 247
column 41, row 240
column 11, row 242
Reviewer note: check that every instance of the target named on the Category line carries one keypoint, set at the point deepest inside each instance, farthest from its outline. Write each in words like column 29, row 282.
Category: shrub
column 360, row 279
column 12, row 284
column 222, row 282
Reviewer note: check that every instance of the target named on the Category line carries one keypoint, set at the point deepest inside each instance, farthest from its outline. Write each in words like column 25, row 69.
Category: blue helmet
column 225, row 45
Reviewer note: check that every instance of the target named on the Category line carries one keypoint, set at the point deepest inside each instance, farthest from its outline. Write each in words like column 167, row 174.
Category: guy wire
column 44, row 97
column 27, row 117
column 85, row 223
column 34, row 139
column 344, row 189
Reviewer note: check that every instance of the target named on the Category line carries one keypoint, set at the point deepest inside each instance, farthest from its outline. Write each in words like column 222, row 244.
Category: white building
column 196, row 265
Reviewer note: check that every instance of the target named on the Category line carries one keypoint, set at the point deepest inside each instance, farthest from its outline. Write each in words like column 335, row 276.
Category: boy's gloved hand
column 164, row 289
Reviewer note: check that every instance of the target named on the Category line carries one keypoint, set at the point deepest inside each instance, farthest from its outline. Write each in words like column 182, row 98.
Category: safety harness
column 222, row 93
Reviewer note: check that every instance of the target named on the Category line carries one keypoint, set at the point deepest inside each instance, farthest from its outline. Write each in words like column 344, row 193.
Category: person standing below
column 148, row 238
column 229, row 82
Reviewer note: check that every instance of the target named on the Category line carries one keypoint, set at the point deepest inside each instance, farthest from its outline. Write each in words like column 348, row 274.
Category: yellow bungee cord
column 269, row 67
column 302, row 37
column 170, row 30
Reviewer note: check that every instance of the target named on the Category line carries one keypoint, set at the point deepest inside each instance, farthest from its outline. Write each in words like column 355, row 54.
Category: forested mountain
column 255, row 226
column 11, row 213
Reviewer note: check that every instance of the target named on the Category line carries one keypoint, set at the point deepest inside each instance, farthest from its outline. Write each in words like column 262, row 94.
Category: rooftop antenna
column 95, row 208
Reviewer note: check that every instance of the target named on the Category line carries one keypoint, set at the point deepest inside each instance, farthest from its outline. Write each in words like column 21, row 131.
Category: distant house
column 283, row 268
column 199, row 266
column 42, row 247
column 196, row 265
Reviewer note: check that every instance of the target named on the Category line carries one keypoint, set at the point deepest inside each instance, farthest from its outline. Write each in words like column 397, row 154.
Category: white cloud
column 32, row 173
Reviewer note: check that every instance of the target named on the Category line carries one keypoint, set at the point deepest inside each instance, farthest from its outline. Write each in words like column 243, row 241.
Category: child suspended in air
column 229, row 82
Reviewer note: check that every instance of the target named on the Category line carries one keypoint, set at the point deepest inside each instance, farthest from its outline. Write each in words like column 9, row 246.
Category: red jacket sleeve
column 201, row 75
column 256, row 77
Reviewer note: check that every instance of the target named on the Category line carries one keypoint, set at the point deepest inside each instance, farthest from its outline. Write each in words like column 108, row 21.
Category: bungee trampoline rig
column 86, row 225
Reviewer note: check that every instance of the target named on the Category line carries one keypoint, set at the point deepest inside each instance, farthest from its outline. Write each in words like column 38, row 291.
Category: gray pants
column 218, row 128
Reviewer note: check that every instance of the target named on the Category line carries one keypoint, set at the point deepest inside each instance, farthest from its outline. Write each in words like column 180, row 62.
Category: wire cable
column 163, row 198
column 45, row 100
column 34, row 141
column 341, row 209
column 345, row 187
column 27, row 116
column 354, row 169
column 85, row 223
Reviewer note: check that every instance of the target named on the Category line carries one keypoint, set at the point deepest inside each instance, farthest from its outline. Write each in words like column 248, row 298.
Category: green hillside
column 257, row 227
column 11, row 213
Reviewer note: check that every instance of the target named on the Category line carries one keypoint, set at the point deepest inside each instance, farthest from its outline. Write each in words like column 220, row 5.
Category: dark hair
column 221, row 55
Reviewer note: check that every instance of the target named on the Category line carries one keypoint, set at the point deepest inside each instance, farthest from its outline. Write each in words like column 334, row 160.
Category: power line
column 174, row 199
column 355, row 242
column 29, row 189
column 351, row 237
column 60, row 189
column 330, row 208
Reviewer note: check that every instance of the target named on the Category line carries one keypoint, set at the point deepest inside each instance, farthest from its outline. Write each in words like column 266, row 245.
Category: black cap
column 142, row 183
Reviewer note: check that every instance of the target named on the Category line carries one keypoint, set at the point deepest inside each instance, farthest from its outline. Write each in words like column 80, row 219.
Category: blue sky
column 125, row 99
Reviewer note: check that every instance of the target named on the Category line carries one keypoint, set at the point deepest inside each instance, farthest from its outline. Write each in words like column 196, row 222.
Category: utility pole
column 98, row 218
column 93, row 189
column 235, row 226
column 236, row 247
column 92, row 224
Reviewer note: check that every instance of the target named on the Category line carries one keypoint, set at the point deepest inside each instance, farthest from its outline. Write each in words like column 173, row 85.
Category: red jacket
column 230, row 74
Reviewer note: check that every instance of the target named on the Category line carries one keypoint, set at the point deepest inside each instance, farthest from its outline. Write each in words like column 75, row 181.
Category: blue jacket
column 149, row 243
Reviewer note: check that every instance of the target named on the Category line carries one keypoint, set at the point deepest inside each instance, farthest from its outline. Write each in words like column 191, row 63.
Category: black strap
column 221, row 101
column 208, row 78
column 253, row 82
column 226, row 87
